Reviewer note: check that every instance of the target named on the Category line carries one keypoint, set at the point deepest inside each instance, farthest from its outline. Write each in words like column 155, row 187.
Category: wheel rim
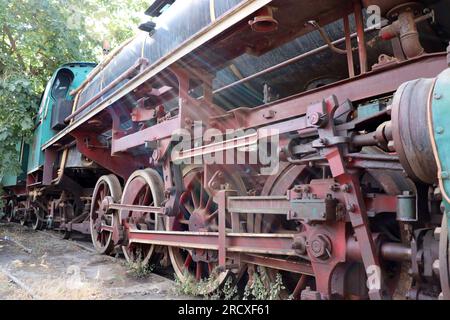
column 143, row 188
column 23, row 213
column 198, row 212
column 107, row 186
column 10, row 211
column 289, row 176
column 65, row 214
column 35, row 218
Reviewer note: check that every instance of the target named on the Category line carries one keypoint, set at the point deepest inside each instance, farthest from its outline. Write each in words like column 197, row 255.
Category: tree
column 37, row 36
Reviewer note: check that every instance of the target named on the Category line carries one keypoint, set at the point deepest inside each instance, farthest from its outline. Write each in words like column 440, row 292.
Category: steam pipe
column 123, row 76
column 405, row 28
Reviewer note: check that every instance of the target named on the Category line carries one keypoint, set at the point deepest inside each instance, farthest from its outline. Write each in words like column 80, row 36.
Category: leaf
column 26, row 124
column 44, row 40
column 4, row 135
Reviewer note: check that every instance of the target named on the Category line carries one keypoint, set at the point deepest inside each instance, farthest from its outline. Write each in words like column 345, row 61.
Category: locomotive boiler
column 306, row 141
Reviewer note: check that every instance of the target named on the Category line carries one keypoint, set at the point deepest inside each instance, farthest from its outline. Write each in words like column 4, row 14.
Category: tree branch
column 13, row 45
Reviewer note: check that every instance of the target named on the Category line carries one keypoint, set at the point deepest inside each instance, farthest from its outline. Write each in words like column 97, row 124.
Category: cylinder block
column 410, row 130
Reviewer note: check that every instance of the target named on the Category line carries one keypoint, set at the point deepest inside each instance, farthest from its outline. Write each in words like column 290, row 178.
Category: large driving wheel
column 277, row 185
column 107, row 186
column 199, row 213
column 143, row 188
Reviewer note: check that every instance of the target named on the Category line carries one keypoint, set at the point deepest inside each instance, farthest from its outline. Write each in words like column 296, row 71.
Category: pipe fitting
column 405, row 28
column 264, row 21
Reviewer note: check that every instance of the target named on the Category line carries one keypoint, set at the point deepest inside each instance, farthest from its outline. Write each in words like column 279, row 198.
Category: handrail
column 124, row 75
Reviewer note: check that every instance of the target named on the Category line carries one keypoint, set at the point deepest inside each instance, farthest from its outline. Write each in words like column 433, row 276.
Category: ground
column 41, row 265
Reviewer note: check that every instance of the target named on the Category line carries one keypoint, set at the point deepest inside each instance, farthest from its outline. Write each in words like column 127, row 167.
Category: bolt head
column 320, row 247
column 315, row 118
column 437, row 96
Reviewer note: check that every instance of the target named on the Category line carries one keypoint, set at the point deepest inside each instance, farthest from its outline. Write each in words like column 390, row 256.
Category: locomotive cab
column 55, row 105
column 63, row 103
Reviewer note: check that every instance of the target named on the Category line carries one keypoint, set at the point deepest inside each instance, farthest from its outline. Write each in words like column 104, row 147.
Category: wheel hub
column 198, row 221
column 104, row 206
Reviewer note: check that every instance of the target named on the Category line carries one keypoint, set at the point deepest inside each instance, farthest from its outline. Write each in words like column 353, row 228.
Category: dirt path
column 60, row 269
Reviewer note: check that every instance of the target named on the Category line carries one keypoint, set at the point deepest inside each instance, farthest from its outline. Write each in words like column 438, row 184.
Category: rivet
column 440, row 130
column 444, row 175
column 437, row 96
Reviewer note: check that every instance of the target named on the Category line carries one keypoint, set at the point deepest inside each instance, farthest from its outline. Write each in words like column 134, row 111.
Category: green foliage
column 228, row 292
column 37, row 36
column 18, row 101
column 190, row 286
column 261, row 288
column 139, row 270
column 138, row 267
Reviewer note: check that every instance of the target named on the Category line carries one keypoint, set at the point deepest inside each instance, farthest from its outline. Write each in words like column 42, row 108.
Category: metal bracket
column 313, row 210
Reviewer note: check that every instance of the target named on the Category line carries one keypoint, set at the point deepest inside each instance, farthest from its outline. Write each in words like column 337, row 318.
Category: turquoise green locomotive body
column 67, row 78
column 56, row 102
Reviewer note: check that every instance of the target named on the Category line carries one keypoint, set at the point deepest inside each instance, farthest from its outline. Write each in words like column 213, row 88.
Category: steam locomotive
column 306, row 141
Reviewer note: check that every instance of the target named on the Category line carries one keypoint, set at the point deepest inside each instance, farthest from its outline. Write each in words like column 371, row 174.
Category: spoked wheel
column 199, row 213
column 36, row 218
column 143, row 188
column 444, row 259
column 10, row 211
column 23, row 213
column 396, row 277
column 33, row 217
column 65, row 215
column 107, row 186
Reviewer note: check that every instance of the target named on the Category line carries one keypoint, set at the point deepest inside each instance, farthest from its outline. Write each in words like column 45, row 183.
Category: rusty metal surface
column 411, row 142
column 373, row 83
